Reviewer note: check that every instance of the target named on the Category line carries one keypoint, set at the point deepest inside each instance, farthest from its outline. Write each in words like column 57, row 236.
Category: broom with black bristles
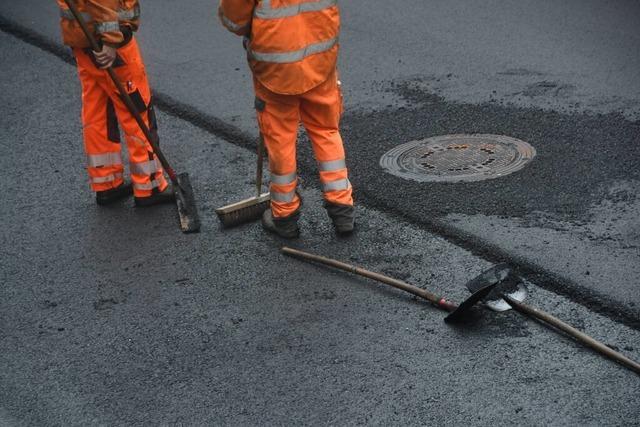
column 249, row 209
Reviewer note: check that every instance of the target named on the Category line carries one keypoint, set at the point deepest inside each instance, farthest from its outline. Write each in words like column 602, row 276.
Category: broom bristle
column 243, row 215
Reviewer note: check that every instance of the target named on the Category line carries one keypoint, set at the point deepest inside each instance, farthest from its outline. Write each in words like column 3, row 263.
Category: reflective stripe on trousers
column 332, row 165
column 106, row 159
column 293, row 56
column 145, row 168
column 340, row 184
column 104, row 179
column 283, row 179
column 283, row 197
column 147, row 186
column 266, row 12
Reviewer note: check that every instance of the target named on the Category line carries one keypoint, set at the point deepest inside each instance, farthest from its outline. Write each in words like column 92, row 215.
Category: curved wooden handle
column 578, row 335
column 399, row 284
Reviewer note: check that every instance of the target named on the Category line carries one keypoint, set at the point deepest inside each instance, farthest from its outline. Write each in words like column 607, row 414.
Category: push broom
column 189, row 219
column 249, row 209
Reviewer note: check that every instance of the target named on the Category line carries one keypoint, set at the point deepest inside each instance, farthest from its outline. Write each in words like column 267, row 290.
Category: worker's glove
column 106, row 56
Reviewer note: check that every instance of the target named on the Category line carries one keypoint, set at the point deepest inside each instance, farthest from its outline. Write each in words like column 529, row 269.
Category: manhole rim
column 525, row 154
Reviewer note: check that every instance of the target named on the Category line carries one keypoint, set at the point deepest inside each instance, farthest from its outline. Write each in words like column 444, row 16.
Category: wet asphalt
column 111, row 316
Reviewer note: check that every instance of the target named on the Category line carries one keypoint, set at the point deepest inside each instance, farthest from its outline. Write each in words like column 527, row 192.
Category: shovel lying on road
column 189, row 219
column 510, row 293
column 485, row 282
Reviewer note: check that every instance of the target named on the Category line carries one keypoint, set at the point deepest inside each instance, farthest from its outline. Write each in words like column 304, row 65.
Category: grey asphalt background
column 562, row 76
column 101, row 323
column 112, row 316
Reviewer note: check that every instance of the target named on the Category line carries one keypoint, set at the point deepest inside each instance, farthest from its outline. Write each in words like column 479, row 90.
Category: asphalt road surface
column 111, row 316
column 561, row 76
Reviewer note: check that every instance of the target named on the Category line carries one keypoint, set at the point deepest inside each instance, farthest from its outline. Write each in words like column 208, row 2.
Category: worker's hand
column 106, row 56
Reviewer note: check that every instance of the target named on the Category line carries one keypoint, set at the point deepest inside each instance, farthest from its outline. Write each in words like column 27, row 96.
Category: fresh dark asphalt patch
column 577, row 154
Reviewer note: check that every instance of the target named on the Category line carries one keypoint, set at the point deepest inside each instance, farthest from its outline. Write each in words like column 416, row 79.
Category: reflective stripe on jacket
column 293, row 44
column 105, row 17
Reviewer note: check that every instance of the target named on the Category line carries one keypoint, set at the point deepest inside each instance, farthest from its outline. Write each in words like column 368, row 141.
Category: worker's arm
column 105, row 16
column 107, row 27
column 236, row 15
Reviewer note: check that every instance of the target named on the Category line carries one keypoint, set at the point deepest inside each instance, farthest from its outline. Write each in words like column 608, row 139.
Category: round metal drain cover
column 454, row 158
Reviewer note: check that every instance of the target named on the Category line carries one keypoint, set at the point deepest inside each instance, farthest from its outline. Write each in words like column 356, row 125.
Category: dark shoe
column 343, row 217
column 283, row 227
column 167, row 196
column 112, row 195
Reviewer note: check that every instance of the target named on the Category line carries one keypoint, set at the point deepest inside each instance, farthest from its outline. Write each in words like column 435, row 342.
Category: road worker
column 292, row 49
column 113, row 22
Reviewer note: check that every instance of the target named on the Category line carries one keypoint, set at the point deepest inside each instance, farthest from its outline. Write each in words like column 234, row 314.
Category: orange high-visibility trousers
column 102, row 110
column 279, row 116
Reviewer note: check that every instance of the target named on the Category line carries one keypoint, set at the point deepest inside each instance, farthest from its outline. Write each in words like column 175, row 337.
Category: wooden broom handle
column 260, row 165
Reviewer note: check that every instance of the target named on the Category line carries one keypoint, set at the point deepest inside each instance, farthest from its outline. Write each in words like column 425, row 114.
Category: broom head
column 244, row 211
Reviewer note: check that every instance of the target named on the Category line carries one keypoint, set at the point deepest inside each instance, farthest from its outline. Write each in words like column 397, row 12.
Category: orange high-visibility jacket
column 105, row 17
column 293, row 44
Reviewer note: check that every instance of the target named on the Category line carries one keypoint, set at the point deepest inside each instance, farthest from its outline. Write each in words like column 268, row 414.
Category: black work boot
column 156, row 198
column 343, row 217
column 112, row 195
column 284, row 227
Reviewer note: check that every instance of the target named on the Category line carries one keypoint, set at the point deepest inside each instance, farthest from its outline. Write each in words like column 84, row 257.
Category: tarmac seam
column 543, row 278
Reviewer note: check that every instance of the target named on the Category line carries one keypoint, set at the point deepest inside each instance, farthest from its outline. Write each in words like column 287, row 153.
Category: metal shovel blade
column 499, row 304
column 510, row 284
column 480, row 286
column 185, row 200
column 464, row 307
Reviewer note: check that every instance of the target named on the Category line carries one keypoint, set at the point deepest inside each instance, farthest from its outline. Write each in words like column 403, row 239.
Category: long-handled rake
column 511, row 291
column 187, row 211
column 485, row 283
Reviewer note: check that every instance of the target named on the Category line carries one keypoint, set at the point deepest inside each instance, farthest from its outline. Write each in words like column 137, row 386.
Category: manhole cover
column 453, row 158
